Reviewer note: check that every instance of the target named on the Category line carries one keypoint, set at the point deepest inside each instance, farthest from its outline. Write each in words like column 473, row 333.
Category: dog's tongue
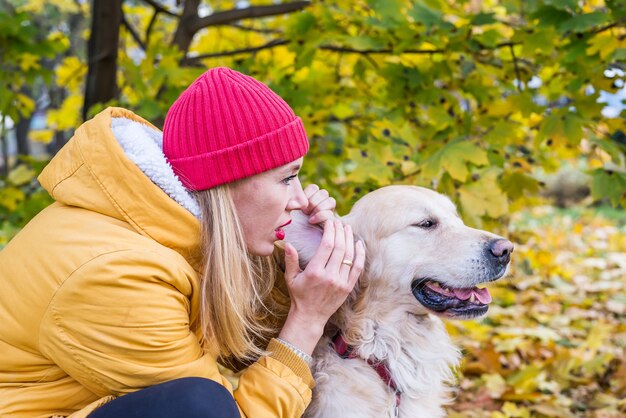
column 482, row 295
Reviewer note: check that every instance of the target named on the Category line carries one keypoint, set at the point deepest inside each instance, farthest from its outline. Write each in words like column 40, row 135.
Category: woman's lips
column 280, row 234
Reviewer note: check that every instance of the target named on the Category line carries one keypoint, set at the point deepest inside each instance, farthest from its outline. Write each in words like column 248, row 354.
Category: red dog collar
column 346, row 351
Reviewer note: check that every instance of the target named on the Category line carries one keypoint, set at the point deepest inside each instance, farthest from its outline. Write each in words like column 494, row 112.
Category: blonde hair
column 236, row 307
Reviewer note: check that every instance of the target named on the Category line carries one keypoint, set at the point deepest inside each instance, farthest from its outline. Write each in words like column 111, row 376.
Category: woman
column 156, row 260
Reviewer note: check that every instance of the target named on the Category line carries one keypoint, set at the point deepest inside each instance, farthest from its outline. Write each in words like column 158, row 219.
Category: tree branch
column 609, row 26
column 407, row 51
column 228, row 16
column 379, row 51
column 517, row 72
column 257, row 30
column 196, row 59
column 150, row 26
column 160, row 9
column 133, row 33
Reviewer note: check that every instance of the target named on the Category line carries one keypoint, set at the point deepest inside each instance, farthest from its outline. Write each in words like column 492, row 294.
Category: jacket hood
column 114, row 165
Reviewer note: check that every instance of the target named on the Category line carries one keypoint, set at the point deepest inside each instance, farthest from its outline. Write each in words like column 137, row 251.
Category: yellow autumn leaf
column 43, row 135
column 36, row 6
column 604, row 44
column 21, row 175
column 68, row 115
column 341, row 111
column 502, row 107
column 439, row 118
column 33, row 6
column 10, row 197
column 495, row 384
column 484, row 197
column 408, row 167
column 25, row 105
column 71, row 72
column 513, row 411
column 29, row 61
column 552, row 410
column 453, row 159
column 367, row 166
column 59, row 38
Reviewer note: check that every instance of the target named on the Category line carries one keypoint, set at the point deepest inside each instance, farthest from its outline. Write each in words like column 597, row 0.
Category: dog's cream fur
column 382, row 319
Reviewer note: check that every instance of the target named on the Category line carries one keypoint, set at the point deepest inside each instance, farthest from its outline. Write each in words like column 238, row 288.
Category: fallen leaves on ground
column 554, row 341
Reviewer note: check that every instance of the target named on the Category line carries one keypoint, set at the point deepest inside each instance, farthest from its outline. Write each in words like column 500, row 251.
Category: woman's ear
column 304, row 236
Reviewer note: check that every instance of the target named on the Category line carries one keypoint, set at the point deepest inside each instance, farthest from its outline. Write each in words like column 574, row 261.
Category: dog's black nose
column 501, row 249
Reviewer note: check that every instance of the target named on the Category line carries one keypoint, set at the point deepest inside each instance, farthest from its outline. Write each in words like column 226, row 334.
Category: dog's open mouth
column 451, row 302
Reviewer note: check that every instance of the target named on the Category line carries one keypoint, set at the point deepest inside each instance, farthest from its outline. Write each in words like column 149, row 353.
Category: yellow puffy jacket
column 99, row 293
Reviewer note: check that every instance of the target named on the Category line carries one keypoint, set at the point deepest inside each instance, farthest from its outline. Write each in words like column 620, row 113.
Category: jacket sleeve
column 121, row 322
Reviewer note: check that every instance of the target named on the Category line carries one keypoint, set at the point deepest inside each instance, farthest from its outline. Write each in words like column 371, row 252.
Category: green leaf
column 617, row 7
column 550, row 17
column 489, row 38
column 572, row 128
column 541, row 39
column 484, row 197
column 453, row 159
column 370, row 165
column 500, row 131
column 562, row 4
column 583, row 22
column 609, row 184
column 612, row 148
column 301, row 24
column 516, row 184
column 525, row 103
column 565, row 127
column 364, row 42
column 619, row 54
column 387, row 9
column 425, row 15
column 483, row 19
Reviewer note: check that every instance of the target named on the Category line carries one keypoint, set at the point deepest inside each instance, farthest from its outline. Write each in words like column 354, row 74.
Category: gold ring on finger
column 347, row 262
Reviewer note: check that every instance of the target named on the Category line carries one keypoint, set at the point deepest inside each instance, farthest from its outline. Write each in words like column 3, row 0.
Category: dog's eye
column 427, row 224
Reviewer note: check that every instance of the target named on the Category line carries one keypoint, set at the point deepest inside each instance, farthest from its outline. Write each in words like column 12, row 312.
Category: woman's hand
column 321, row 206
column 318, row 291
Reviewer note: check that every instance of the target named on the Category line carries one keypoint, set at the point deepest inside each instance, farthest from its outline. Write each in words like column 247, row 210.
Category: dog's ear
column 303, row 236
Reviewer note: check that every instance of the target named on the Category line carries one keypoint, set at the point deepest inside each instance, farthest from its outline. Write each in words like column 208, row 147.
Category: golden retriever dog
column 386, row 353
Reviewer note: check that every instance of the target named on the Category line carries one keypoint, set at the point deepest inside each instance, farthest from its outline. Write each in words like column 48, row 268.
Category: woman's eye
column 288, row 179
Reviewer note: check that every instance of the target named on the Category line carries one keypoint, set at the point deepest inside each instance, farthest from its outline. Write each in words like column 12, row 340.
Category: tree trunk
column 4, row 169
column 102, row 52
column 21, row 135
column 57, row 95
column 183, row 35
column 22, row 127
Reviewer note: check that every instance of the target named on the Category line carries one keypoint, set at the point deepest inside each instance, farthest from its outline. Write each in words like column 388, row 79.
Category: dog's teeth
column 435, row 284
column 473, row 298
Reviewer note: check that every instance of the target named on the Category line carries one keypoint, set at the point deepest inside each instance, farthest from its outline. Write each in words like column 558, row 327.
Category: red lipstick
column 280, row 234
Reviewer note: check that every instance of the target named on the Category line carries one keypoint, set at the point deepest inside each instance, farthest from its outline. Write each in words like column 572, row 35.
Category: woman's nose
column 298, row 200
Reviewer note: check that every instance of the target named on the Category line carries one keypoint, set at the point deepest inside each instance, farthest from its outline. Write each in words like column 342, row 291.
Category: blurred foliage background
column 500, row 104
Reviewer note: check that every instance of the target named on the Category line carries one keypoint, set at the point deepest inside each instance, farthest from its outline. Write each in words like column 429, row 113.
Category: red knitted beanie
column 227, row 126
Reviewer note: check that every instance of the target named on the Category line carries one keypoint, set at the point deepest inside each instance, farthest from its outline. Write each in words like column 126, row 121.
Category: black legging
column 189, row 397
